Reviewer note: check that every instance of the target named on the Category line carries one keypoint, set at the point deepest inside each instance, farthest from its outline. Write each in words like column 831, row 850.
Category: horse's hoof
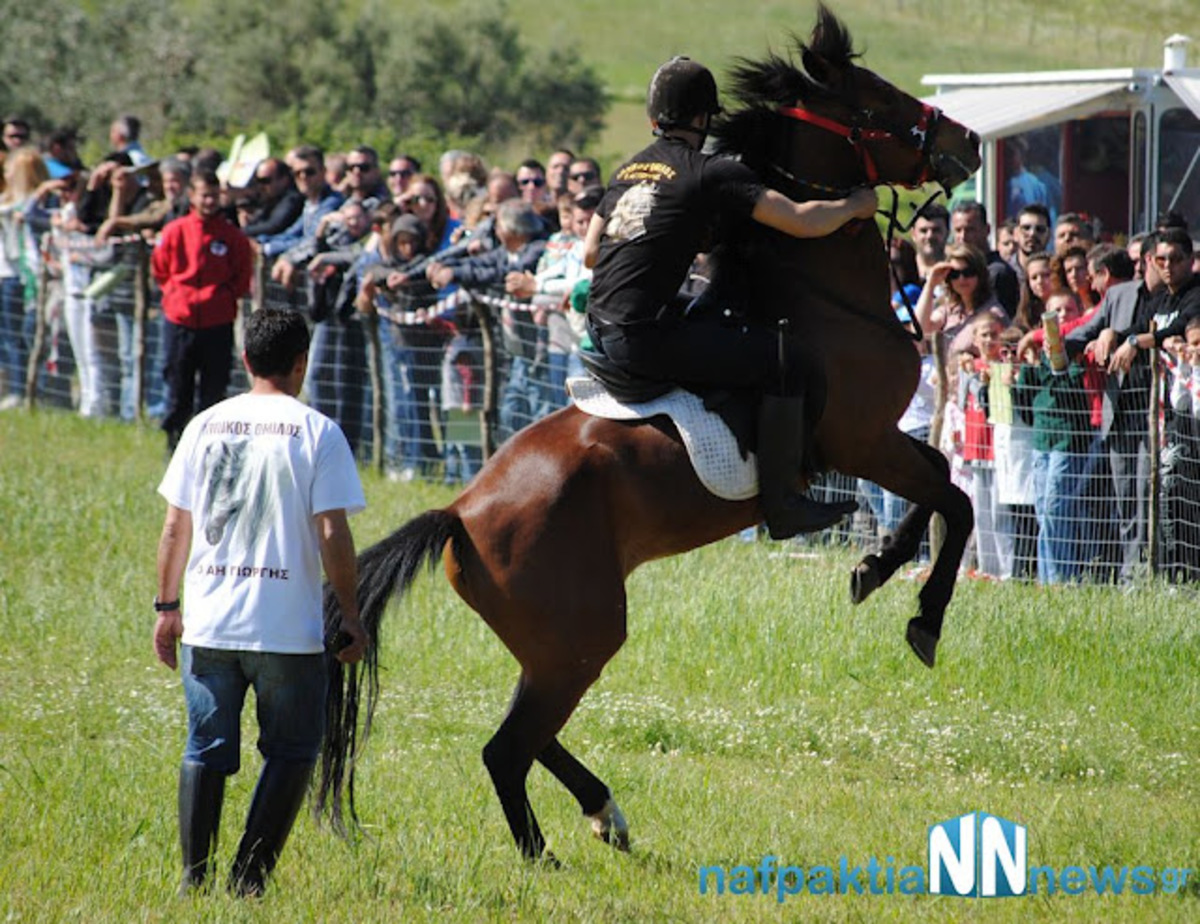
column 923, row 643
column 548, row 861
column 609, row 825
column 864, row 579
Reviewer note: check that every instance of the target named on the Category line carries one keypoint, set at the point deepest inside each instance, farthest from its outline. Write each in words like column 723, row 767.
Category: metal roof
column 998, row 111
column 1187, row 88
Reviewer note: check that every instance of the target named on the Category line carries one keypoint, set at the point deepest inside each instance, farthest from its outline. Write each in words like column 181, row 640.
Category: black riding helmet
column 679, row 91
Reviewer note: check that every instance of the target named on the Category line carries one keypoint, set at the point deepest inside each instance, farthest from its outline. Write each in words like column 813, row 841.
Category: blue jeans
column 289, row 693
column 401, row 429
column 14, row 351
column 1056, row 476
column 524, row 398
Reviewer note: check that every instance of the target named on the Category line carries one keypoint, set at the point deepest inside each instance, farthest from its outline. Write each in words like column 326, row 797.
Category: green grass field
column 753, row 712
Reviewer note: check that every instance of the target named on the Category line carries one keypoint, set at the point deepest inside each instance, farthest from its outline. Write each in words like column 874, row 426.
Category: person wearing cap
column 656, row 216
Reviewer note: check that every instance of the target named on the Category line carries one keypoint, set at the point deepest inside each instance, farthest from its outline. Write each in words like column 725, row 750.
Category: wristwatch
column 1132, row 341
column 169, row 607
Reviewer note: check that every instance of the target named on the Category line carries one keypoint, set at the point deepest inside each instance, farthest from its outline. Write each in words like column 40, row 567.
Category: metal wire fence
column 427, row 387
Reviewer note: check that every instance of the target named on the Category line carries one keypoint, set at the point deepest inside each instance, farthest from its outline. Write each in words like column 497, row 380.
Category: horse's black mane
column 761, row 87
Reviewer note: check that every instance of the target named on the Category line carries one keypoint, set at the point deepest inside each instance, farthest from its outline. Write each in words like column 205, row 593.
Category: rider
column 657, row 214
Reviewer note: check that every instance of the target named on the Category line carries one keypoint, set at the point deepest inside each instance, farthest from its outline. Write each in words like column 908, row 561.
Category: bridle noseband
column 919, row 137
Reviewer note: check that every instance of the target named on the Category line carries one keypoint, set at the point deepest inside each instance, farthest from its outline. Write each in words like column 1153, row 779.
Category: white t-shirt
column 253, row 471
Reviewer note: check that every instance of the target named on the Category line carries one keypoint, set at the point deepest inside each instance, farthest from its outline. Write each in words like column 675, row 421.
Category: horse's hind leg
column 595, row 798
column 539, row 708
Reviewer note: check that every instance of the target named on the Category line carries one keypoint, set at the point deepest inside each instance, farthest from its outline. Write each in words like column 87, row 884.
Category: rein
column 857, row 135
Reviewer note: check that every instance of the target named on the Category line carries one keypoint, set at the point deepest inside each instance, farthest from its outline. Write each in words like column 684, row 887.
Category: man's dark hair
column 531, row 163
column 1036, row 208
column 202, row 177
column 1068, row 218
column 130, row 125
column 1114, row 259
column 207, row 159
column 970, row 207
column 1177, row 237
column 368, row 152
column 415, row 161
column 1075, row 251
column 18, row 121
column 935, row 211
column 275, row 338
column 310, row 153
column 62, row 136
column 1171, row 219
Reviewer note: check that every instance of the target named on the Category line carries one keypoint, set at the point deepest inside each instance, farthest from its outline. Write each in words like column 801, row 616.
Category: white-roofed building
column 1121, row 145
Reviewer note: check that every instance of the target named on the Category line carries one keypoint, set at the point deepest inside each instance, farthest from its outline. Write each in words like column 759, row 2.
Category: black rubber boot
column 278, row 796
column 201, row 793
column 780, row 459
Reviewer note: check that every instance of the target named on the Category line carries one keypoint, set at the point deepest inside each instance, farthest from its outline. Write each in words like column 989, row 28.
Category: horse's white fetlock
column 609, row 825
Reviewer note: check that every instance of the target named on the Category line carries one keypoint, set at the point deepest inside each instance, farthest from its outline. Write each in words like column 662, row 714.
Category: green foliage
column 300, row 70
column 751, row 712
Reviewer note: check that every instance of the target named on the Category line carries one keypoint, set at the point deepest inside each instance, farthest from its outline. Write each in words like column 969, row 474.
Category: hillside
column 901, row 39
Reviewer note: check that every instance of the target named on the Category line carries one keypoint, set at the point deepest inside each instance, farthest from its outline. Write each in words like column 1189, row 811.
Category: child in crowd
column 993, row 526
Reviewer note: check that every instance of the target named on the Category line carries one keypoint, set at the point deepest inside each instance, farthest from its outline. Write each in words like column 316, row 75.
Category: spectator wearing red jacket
column 203, row 265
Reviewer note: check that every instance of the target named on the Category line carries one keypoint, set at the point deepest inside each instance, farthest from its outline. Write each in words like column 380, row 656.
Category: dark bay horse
column 541, row 542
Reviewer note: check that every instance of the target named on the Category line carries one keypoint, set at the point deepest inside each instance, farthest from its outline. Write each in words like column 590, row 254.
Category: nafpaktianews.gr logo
column 976, row 855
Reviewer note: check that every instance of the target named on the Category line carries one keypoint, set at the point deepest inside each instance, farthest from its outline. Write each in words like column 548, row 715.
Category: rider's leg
column 724, row 351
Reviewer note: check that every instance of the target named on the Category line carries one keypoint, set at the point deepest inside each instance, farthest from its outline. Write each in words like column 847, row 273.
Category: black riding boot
column 780, row 459
column 278, row 796
column 201, row 792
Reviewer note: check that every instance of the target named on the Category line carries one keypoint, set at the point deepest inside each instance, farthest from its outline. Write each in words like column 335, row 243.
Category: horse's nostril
column 973, row 137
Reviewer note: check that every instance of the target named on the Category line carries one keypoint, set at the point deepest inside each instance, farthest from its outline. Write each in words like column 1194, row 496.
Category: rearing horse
column 541, row 541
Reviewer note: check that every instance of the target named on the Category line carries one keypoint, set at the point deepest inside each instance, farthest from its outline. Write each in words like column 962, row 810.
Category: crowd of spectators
column 1048, row 405
column 343, row 236
column 1049, row 333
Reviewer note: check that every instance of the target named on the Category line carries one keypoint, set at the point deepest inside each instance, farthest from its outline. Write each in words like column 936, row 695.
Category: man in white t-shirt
column 258, row 492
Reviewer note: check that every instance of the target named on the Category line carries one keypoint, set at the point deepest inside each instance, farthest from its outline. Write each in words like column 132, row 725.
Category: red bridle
column 858, row 135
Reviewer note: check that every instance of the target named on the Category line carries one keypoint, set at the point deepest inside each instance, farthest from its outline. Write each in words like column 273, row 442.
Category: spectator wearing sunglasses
column 363, row 180
column 534, row 189
column 320, row 199
column 275, row 202
column 584, row 172
column 1032, row 235
column 956, row 292
column 16, row 132
column 401, row 170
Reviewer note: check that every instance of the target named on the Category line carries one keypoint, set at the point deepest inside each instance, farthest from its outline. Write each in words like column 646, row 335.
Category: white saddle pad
column 711, row 445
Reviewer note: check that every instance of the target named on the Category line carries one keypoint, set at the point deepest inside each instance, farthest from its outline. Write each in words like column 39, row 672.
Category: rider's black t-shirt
column 660, row 210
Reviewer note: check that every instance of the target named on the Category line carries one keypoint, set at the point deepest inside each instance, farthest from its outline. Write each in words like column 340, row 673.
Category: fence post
column 39, row 334
column 141, row 295
column 1153, row 504
column 259, row 289
column 487, row 422
column 370, row 323
column 941, row 392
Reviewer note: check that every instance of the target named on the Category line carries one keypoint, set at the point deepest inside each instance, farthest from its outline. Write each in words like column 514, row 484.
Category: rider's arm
column 591, row 244
column 812, row 219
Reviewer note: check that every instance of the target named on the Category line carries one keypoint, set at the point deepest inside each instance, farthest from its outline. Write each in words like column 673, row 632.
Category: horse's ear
column 817, row 67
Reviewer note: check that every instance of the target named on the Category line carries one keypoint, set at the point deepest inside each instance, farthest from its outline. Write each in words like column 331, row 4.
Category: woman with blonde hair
column 956, row 292
column 20, row 262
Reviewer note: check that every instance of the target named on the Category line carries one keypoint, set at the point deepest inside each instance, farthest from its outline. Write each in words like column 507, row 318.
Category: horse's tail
column 386, row 568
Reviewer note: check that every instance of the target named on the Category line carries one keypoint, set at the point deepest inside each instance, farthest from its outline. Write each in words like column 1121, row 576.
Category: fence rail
column 429, row 389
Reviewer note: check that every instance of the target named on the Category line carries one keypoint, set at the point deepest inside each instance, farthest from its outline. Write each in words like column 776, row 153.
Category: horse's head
column 798, row 125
